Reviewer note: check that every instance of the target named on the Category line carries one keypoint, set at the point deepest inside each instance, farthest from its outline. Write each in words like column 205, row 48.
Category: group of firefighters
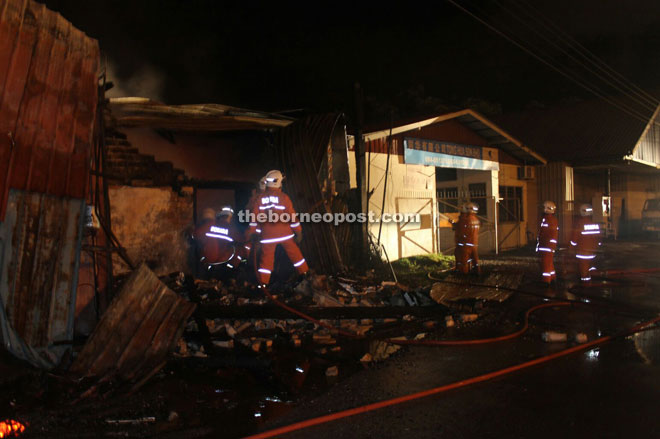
column 220, row 242
column 221, row 246
column 585, row 241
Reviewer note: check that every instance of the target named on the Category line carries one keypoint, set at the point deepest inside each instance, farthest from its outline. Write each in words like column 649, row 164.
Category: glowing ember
column 11, row 428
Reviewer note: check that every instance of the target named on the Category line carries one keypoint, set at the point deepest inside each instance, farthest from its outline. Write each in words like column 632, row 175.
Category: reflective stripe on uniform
column 585, row 256
column 299, row 263
column 272, row 240
column 215, row 235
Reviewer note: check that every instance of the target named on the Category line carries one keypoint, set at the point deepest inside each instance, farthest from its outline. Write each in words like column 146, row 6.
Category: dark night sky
column 415, row 57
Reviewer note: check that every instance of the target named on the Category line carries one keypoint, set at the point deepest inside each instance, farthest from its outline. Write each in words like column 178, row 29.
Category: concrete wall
column 152, row 224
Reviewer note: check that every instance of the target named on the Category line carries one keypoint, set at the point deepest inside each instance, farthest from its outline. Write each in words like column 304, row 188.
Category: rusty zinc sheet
column 39, row 250
column 141, row 326
column 48, row 97
column 301, row 147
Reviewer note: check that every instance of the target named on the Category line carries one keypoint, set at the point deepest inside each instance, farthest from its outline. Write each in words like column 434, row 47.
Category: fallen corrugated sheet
column 39, row 250
column 301, row 150
column 461, row 288
column 48, row 96
column 141, row 326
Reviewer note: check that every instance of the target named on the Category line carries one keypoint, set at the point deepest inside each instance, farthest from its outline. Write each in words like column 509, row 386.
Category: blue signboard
column 446, row 155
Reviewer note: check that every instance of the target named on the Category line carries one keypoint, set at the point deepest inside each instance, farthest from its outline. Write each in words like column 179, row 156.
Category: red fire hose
column 437, row 390
column 309, row 318
column 518, row 333
column 631, row 272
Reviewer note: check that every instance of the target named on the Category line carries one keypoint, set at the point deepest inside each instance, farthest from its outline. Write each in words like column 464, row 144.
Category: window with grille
column 479, row 195
column 447, row 200
column 511, row 205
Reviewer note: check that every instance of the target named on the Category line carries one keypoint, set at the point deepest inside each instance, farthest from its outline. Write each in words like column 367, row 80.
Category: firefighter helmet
column 471, row 207
column 274, row 179
column 549, row 207
column 208, row 214
column 586, row 210
column 225, row 211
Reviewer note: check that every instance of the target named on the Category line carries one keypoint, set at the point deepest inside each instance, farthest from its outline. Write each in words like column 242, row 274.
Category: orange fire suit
column 252, row 246
column 585, row 240
column 458, row 240
column 231, row 250
column 468, row 230
column 274, row 203
column 207, row 247
column 220, row 239
column 546, row 246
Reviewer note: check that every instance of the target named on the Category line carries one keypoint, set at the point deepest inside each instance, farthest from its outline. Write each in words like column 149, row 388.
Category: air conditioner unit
column 525, row 172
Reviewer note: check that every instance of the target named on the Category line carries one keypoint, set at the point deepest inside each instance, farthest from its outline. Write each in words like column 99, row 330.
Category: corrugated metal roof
column 142, row 112
column 495, row 135
column 586, row 133
column 48, row 97
column 141, row 326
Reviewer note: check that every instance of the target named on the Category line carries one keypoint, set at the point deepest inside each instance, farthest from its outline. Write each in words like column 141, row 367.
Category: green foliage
column 413, row 271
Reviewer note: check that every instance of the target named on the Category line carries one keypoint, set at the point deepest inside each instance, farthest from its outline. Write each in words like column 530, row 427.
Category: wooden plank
column 337, row 312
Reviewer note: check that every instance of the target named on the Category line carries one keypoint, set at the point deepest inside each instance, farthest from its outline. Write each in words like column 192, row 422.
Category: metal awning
column 488, row 130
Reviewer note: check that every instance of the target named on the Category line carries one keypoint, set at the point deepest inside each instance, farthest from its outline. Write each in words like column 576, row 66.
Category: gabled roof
column 495, row 135
column 143, row 112
column 583, row 134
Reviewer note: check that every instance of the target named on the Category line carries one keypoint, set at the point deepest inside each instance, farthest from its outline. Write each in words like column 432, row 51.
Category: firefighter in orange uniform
column 281, row 232
column 232, row 252
column 585, row 240
column 251, row 245
column 469, row 236
column 206, row 247
column 458, row 227
column 547, row 242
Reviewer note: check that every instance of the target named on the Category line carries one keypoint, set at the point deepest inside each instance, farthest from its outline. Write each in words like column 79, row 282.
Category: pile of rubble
column 233, row 318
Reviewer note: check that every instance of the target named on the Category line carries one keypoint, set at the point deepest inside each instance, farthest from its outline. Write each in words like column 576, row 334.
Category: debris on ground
column 141, row 327
column 456, row 287
column 554, row 337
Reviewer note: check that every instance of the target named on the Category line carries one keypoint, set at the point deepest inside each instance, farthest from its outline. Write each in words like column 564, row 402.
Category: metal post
column 360, row 168
column 497, row 245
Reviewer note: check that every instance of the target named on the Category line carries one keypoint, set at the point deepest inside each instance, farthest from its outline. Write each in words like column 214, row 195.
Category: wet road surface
column 612, row 391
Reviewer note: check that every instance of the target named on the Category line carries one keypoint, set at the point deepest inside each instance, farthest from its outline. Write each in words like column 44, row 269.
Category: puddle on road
column 647, row 344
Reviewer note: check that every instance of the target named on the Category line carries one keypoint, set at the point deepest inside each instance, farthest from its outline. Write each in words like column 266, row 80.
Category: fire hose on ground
column 458, row 384
column 455, row 385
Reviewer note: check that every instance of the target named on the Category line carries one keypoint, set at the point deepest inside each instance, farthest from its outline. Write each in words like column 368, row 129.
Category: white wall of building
column 410, row 189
